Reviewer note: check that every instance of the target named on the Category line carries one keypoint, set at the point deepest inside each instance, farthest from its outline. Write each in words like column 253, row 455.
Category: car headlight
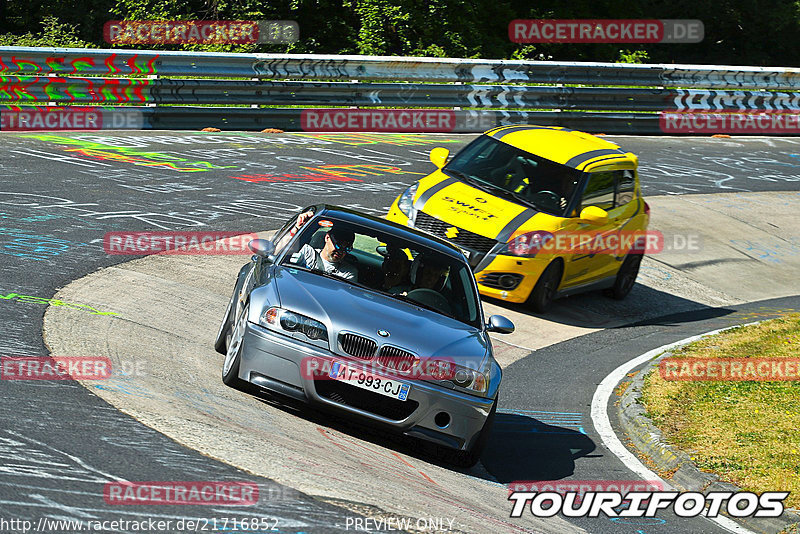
column 463, row 377
column 528, row 244
column 280, row 319
column 406, row 200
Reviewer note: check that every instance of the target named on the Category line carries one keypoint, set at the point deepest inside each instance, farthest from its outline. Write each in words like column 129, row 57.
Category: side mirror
column 262, row 247
column 439, row 156
column 499, row 324
column 593, row 215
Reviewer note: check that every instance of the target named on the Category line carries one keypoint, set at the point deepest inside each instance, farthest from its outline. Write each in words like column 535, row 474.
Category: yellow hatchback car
column 540, row 212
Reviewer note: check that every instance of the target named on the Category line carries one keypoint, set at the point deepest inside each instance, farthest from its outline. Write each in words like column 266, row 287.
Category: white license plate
column 366, row 380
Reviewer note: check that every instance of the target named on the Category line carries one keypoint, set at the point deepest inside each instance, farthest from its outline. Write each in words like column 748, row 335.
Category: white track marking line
column 602, row 423
column 70, row 456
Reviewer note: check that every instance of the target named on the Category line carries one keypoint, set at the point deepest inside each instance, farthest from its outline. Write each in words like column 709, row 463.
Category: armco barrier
column 73, row 90
column 495, row 92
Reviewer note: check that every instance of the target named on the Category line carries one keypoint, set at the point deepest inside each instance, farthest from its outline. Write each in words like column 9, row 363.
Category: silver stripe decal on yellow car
column 576, row 161
column 514, row 224
column 424, row 197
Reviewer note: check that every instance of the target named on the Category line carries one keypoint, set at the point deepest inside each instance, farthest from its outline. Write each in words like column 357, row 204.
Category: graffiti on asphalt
column 54, row 302
column 396, row 139
column 327, row 173
column 144, row 141
column 16, row 242
column 713, row 173
column 120, row 154
column 31, row 201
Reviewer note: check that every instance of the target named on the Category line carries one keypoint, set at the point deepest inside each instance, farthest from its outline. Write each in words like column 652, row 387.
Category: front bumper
column 274, row 362
column 529, row 268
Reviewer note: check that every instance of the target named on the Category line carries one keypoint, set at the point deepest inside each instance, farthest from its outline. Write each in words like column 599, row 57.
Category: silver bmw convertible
column 369, row 318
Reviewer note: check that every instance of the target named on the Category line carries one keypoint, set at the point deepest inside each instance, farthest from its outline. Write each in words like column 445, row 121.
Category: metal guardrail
column 421, row 69
column 170, row 91
column 58, row 76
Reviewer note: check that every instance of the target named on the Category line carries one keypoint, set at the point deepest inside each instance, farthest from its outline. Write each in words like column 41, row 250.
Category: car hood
column 345, row 307
column 465, row 206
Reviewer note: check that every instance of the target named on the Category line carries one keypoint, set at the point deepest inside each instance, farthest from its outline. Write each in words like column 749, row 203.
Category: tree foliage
column 752, row 32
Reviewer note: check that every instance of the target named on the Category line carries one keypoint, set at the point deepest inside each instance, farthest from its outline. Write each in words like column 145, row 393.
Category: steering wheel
column 547, row 198
column 431, row 297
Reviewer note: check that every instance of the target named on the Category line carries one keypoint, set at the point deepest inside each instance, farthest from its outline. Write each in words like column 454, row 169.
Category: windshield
column 403, row 269
column 514, row 173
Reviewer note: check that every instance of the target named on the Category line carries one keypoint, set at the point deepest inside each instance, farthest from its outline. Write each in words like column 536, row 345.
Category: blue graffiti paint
column 539, row 421
column 20, row 243
column 638, row 520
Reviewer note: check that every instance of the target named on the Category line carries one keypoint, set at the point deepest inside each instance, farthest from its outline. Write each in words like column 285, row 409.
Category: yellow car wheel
column 546, row 287
column 626, row 277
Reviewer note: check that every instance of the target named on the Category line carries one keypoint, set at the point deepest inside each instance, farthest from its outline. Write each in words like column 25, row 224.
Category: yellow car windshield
column 491, row 164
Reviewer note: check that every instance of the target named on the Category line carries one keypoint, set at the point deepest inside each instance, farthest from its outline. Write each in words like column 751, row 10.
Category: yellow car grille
column 454, row 234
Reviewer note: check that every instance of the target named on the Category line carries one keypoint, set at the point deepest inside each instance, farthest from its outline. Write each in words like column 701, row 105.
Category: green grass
column 747, row 432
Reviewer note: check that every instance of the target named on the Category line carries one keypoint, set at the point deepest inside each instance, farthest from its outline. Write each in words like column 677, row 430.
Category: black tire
column 626, row 277
column 233, row 356
column 471, row 457
column 223, row 334
column 545, row 289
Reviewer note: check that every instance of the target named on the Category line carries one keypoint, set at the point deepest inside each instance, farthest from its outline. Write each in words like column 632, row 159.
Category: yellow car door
column 627, row 213
column 584, row 261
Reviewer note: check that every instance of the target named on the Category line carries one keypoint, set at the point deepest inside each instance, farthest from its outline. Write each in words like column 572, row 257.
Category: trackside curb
column 675, row 466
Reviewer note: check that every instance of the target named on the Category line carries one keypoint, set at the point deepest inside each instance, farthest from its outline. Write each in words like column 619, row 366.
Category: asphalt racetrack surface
column 61, row 192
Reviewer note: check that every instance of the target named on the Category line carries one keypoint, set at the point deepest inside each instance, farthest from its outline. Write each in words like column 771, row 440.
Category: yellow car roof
column 562, row 145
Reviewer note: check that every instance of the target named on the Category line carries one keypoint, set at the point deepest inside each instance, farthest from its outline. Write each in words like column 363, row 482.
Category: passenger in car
column 396, row 268
column 429, row 277
column 427, row 273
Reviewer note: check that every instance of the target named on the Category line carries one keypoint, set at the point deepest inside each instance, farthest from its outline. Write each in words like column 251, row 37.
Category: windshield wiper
column 469, row 179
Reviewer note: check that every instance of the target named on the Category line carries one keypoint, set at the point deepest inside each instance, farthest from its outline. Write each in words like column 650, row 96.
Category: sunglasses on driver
column 340, row 247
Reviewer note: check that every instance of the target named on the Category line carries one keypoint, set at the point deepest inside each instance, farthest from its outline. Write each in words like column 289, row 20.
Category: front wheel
column 626, row 276
column 233, row 356
column 545, row 289
column 224, row 332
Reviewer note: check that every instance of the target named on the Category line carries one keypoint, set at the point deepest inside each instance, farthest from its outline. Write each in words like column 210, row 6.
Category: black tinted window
column 600, row 190
column 625, row 187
